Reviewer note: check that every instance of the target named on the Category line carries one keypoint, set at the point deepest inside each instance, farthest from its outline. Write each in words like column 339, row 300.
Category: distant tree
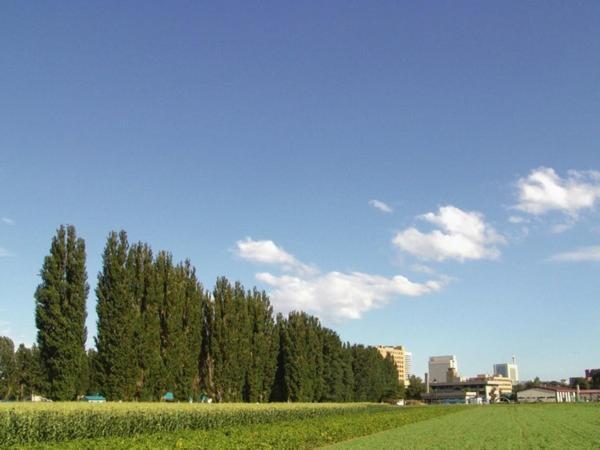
column 415, row 388
column 533, row 383
column 60, row 315
column 596, row 380
column 93, row 383
column 8, row 368
column 392, row 389
column 582, row 382
column 30, row 376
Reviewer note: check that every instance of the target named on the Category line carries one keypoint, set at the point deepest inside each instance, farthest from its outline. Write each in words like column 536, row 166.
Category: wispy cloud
column 544, row 191
column 4, row 252
column 461, row 236
column 7, row 220
column 338, row 295
column 334, row 295
column 517, row 219
column 582, row 254
column 381, row 206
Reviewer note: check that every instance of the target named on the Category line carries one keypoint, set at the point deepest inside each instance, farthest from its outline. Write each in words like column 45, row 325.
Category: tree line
column 159, row 330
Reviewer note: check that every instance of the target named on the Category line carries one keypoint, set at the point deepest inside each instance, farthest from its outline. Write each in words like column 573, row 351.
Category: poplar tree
column 264, row 345
column 166, row 291
column 333, row 367
column 229, row 341
column 303, row 358
column 147, row 334
column 116, row 359
column 8, row 368
column 190, row 315
column 60, row 314
column 29, row 379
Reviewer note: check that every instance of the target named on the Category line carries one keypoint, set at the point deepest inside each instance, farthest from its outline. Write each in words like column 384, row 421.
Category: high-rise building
column 399, row 355
column 407, row 366
column 440, row 367
column 508, row 370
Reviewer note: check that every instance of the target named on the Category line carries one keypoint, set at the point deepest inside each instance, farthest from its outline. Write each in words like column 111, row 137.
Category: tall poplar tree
column 146, row 299
column 264, row 345
column 117, row 358
column 60, row 315
column 229, row 341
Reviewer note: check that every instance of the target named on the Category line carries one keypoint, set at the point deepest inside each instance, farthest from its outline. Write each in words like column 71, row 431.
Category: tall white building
column 407, row 366
column 439, row 367
column 509, row 370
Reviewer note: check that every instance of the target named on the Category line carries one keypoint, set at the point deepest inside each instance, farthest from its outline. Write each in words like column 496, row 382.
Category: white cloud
column 267, row 252
column 381, row 206
column 4, row 252
column 421, row 268
column 334, row 295
column 460, row 236
column 337, row 295
column 517, row 219
column 544, row 191
column 7, row 221
column 580, row 255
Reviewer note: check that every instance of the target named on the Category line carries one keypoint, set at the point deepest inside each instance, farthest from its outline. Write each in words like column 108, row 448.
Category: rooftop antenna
column 514, row 360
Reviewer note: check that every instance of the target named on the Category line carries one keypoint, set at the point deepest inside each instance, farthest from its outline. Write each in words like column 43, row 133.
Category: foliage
column 415, row 388
column 160, row 331
column 291, row 434
column 60, row 315
column 30, row 423
column 8, row 368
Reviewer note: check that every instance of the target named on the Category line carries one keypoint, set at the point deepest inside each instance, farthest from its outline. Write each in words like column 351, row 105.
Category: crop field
column 297, row 426
column 554, row 426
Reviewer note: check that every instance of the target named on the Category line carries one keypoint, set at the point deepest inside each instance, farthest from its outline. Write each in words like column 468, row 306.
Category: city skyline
column 433, row 187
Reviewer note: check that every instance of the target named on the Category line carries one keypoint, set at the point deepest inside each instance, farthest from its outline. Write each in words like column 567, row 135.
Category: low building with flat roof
column 489, row 389
column 551, row 394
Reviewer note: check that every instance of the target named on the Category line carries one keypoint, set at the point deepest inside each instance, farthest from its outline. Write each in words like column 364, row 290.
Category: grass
column 305, row 433
column 551, row 426
column 306, row 426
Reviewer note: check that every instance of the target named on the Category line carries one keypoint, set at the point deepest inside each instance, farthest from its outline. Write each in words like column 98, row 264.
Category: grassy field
column 297, row 426
column 550, row 426
column 130, row 425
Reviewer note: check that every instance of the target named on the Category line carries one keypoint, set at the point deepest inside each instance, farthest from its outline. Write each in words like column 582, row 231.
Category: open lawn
column 556, row 426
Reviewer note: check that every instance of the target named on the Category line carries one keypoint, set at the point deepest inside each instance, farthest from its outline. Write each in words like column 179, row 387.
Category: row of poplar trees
column 159, row 330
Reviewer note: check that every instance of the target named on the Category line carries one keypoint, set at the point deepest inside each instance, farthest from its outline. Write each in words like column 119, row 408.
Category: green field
column 297, row 426
column 557, row 426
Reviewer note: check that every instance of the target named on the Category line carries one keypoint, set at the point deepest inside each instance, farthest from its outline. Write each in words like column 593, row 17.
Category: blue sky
column 254, row 138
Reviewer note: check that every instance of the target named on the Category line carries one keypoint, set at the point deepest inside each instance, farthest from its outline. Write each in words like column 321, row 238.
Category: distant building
column 399, row 356
column 407, row 365
column 546, row 394
column 508, row 370
column 440, row 367
column 479, row 389
column 589, row 373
